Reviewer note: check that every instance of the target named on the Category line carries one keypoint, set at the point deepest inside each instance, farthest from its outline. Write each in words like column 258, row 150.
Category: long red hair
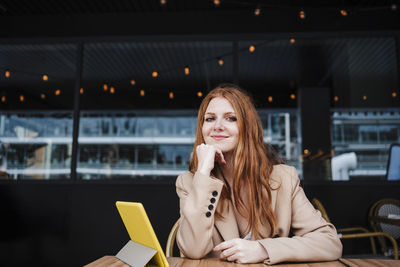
column 253, row 160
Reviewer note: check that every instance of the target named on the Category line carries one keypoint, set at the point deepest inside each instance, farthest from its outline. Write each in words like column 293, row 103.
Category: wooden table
column 211, row 262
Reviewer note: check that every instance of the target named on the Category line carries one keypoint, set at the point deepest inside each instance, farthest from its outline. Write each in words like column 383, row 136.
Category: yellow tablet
column 140, row 230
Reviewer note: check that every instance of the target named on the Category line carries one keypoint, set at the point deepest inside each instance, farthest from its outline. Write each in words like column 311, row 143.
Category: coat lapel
column 227, row 227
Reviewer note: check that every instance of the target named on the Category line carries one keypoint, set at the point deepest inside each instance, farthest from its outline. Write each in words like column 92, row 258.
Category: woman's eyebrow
column 226, row 113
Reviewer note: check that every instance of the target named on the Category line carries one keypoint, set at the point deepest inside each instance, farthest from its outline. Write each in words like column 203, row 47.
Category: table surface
column 183, row 262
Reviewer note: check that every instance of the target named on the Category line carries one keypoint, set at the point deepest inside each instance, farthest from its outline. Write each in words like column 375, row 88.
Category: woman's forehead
column 218, row 105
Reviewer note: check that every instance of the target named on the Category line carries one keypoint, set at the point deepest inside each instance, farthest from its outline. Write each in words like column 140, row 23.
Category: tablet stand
column 136, row 254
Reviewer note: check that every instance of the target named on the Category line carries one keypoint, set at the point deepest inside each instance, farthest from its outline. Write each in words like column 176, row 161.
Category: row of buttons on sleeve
column 212, row 200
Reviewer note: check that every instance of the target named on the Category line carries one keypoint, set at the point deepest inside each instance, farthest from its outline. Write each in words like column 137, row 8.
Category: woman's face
column 220, row 125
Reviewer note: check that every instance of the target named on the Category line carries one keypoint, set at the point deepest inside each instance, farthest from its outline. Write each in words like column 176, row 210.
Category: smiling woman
column 238, row 201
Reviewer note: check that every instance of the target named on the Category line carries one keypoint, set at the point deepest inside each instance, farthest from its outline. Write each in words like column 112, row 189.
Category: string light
column 42, row 96
column 57, row 92
column 7, row 73
column 217, row 2
column 336, row 98
column 142, row 92
column 364, row 97
column 306, row 152
column 171, row 95
column 154, row 74
column 252, row 48
column 105, row 87
column 3, row 98
column 394, row 94
column 133, row 82
column 292, row 40
column 393, row 7
column 257, row 11
column 292, row 96
column 220, row 61
column 343, row 12
column 45, row 77
column 302, row 14
column 21, row 98
column 199, row 94
column 187, row 70
column 112, row 90
column 81, row 91
column 270, row 99
column 163, row 2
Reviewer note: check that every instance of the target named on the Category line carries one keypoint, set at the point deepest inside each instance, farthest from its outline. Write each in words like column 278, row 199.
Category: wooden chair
column 358, row 232
column 384, row 216
column 169, row 248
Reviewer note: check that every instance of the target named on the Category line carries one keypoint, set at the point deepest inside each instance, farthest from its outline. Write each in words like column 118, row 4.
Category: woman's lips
column 219, row 137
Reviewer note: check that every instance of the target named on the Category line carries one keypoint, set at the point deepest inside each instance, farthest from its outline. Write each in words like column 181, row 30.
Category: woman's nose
column 219, row 125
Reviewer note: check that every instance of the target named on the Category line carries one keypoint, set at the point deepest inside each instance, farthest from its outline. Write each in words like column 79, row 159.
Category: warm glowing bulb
column 306, row 151
column 45, row 78
column 154, row 74
column 252, row 48
column 142, row 92
column 364, row 97
column 7, row 73
column 199, row 94
column 257, row 11
column 292, row 40
column 336, row 98
column 171, row 95
column 81, row 91
column 21, row 98
column 112, row 90
column 187, row 70
column 302, row 14
column 217, row 2
column 57, row 92
column 105, row 87
column 220, row 61
column 343, row 12
column 3, row 98
column 394, row 94
column 163, row 2
column 42, row 96
column 133, row 82
column 270, row 99
column 393, row 7
column 292, row 96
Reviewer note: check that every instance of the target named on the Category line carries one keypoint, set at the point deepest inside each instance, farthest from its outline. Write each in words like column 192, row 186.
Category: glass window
column 36, row 105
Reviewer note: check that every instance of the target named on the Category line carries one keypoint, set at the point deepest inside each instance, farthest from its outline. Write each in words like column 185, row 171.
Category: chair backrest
column 393, row 166
column 169, row 249
column 384, row 216
column 318, row 205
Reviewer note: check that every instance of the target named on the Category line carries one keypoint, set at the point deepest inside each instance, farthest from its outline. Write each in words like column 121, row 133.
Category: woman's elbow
column 194, row 254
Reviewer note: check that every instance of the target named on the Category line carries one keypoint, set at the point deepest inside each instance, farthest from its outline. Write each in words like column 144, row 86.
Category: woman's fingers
column 220, row 156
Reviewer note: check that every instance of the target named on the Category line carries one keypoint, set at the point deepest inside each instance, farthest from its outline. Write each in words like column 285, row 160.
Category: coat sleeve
column 198, row 198
column 314, row 239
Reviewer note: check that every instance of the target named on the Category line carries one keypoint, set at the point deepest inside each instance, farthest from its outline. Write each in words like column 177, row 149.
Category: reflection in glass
column 36, row 146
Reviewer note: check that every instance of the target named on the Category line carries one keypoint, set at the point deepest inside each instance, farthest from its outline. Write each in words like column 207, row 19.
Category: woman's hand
column 207, row 155
column 242, row 251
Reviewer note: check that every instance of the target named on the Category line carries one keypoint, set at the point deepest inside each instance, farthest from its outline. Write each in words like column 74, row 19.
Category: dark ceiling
column 348, row 64
column 51, row 7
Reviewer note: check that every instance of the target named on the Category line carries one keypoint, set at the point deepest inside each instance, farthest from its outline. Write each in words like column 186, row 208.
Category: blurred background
column 98, row 103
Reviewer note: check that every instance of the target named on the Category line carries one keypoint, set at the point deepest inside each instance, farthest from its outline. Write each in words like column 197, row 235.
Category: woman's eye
column 231, row 118
column 209, row 119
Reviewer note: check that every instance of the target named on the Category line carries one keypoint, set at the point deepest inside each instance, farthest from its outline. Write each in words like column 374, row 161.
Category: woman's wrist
column 204, row 171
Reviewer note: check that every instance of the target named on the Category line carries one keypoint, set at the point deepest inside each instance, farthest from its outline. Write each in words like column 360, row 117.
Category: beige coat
column 313, row 238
